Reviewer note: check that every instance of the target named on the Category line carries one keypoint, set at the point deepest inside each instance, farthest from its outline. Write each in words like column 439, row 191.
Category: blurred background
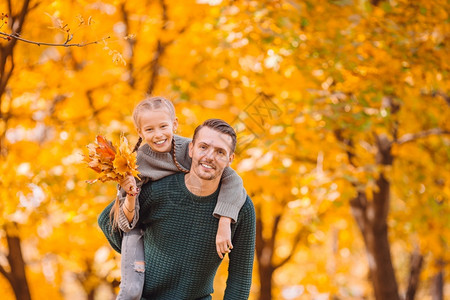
column 342, row 110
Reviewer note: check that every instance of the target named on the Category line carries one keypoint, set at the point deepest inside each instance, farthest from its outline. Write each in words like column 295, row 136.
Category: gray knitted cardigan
column 155, row 165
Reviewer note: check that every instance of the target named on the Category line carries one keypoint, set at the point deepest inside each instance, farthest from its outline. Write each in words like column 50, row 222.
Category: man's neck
column 200, row 187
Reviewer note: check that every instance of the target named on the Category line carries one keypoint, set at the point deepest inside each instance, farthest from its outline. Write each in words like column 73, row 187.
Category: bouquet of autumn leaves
column 111, row 162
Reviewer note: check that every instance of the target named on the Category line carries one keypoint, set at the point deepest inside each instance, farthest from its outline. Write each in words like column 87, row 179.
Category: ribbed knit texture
column 154, row 166
column 179, row 242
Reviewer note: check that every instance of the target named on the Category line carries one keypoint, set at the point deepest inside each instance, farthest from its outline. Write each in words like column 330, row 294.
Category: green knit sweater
column 179, row 242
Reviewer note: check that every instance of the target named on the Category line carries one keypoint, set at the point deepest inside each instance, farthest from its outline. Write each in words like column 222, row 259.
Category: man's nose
column 209, row 154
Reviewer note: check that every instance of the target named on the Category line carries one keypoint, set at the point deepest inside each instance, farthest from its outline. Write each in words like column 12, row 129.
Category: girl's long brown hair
column 150, row 103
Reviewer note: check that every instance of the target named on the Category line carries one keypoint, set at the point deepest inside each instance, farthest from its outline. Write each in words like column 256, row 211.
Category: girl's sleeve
column 114, row 236
column 123, row 222
column 232, row 195
column 182, row 152
column 159, row 165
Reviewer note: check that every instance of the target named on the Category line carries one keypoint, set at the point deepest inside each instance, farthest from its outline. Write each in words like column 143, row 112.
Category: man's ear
column 191, row 149
column 231, row 158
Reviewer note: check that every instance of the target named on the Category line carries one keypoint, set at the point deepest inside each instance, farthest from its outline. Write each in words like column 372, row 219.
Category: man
column 179, row 238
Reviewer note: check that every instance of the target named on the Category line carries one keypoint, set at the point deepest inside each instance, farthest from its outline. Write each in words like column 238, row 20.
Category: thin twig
column 410, row 137
column 6, row 35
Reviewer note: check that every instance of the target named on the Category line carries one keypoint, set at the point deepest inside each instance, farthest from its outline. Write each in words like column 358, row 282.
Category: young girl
column 163, row 154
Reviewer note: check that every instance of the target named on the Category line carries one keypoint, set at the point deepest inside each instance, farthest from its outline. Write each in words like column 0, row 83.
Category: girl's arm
column 115, row 236
column 231, row 198
column 128, row 203
column 232, row 195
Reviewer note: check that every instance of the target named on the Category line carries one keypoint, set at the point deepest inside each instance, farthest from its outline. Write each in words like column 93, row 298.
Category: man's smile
column 207, row 166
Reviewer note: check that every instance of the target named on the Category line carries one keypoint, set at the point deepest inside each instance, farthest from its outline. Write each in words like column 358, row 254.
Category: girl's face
column 156, row 128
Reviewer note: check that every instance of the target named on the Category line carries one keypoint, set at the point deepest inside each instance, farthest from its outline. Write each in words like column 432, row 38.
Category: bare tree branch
column 348, row 142
column 5, row 274
column 131, row 42
column 275, row 225
column 437, row 93
column 23, row 13
column 414, row 274
column 260, row 241
column 375, row 2
column 298, row 237
column 95, row 111
column 160, row 50
column 410, row 137
column 7, row 53
column 8, row 37
column 437, row 285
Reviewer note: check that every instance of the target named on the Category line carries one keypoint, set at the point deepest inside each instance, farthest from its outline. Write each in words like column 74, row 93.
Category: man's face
column 210, row 153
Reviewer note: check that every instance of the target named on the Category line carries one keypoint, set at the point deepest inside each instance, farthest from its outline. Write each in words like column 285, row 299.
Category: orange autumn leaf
column 112, row 162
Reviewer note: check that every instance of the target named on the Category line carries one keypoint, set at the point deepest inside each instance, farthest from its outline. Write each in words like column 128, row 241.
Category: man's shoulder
column 247, row 217
column 248, row 208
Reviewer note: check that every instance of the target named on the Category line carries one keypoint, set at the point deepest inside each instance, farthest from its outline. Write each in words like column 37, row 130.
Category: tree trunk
column 264, row 258
column 91, row 295
column 371, row 217
column 414, row 274
column 17, row 277
column 438, row 284
column 265, row 275
column 380, row 264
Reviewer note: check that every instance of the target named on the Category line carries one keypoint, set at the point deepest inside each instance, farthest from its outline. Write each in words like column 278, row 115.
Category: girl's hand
column 128, row 184
column 223, row 237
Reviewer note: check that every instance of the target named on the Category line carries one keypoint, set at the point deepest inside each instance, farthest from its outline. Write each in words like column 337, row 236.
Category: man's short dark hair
column 220, row 126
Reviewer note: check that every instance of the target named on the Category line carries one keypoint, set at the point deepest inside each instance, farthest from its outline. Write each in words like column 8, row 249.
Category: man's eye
column 149, row 129
column 164, row 126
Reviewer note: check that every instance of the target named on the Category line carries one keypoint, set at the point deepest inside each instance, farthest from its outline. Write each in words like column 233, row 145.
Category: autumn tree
column 35, row 149
column 368, row 80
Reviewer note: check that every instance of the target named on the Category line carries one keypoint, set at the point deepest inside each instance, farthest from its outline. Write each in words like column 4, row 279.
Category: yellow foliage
column 328, row 69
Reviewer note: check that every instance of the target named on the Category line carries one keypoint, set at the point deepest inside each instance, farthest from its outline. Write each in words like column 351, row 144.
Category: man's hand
column 128, row 184
column 223, row 237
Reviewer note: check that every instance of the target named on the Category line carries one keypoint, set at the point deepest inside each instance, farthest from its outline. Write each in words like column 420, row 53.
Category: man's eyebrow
column 219, row 148
column 208, row 144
